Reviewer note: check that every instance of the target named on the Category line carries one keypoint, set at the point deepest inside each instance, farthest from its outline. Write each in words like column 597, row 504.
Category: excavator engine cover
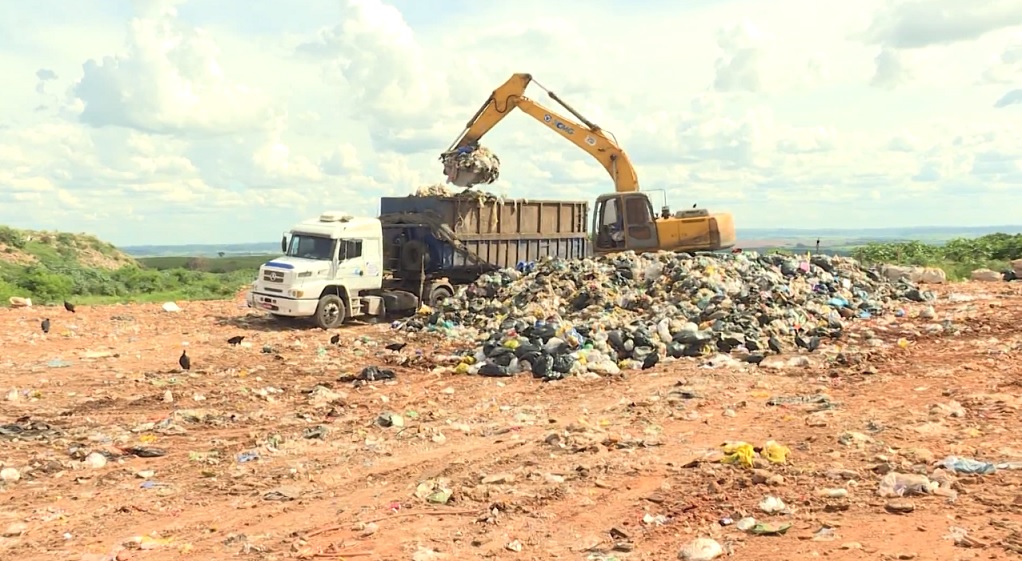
column 414, row 256
column 692, row 213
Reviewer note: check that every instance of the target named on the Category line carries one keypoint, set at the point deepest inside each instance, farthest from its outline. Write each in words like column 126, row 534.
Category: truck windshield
column 311, row 247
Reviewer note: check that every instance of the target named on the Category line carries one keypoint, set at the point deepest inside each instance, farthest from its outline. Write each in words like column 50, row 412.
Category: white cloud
column 1006, row 68
column 227, row 121
column 168, row 80
column 914, row 24
column 738, row 68
column 904, row 28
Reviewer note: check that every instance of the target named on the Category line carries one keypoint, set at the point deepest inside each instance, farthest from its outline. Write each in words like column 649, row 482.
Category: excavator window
column 639, row 216
column 637, row 211
column 612, row 229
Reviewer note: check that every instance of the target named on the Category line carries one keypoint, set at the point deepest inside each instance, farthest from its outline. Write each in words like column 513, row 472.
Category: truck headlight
column 296, row 293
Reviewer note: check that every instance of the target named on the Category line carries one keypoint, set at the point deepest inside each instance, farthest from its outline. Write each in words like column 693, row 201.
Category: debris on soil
column 907, row 420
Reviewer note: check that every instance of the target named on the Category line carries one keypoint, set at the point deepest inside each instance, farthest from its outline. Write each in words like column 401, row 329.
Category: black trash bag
column 616, row 340
column 562, row 363
column 527, row 348
column 544, row 331
column 502, row 356
column 490, row 370
column 642, row 338
column 693, row 350
column 541, row 364
column 675, row 350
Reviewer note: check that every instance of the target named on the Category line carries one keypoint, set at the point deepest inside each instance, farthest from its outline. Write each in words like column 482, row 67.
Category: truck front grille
column 273, row 276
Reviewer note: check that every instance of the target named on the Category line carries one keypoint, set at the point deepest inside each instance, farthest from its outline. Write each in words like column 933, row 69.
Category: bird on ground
column 235, row 340
column 395, row 346
column 69, row 306
column 335, row 339
column 774, row 344
column 45, row 325
column 650, row 360
column 184, row 361
column 814, row 343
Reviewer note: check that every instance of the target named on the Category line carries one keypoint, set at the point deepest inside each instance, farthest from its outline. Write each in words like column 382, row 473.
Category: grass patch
column 227, row 264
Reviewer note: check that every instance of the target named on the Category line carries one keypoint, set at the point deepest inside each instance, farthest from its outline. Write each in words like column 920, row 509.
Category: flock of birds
column 184, row 361
column 651, row 360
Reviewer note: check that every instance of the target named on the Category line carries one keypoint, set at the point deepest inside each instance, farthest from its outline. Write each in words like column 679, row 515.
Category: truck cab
column 330, row 269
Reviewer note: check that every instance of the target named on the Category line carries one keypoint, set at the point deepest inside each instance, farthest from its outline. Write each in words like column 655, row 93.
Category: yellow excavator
column 622, row 221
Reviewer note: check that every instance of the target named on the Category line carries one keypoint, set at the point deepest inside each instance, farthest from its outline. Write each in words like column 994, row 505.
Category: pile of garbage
column 471, row 165
column 437, row 190
column 559, row 317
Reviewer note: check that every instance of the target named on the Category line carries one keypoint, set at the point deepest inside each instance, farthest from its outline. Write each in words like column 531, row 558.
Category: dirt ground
column 257, row 462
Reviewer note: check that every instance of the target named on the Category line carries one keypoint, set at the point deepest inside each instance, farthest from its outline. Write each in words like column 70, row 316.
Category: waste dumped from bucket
column 601, row 315
column 470, row 166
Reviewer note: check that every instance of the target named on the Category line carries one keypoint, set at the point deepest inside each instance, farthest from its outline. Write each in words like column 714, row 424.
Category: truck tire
column 438, row 295
column 331, row 312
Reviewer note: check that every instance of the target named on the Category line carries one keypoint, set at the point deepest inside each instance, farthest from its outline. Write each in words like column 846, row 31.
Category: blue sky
column 162, row 121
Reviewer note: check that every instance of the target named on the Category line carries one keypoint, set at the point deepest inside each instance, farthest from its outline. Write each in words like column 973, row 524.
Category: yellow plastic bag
column 775, row 453
column 740, row 453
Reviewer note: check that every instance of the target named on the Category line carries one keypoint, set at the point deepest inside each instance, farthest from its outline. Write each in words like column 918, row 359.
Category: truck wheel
column 331, row 312
column 438, row 295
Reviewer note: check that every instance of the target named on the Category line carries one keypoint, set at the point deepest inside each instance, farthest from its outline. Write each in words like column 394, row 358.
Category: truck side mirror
column 283, row 244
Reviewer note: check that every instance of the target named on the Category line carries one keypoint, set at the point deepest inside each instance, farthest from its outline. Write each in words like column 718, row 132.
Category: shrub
column 958, row 257
column 48, row 282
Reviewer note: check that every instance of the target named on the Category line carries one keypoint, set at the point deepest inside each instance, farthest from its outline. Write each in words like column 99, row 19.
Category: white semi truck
column 333, row 268
column 338, row 266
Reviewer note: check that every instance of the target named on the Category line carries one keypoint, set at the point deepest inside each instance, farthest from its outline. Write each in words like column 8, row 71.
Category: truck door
column 640, row 227
column 349, row 260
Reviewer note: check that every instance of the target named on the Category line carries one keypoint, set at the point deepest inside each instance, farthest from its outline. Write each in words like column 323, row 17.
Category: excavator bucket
column 470, row 166
column 464, row 178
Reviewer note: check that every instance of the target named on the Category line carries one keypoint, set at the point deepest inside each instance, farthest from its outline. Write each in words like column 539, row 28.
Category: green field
column 219, row 265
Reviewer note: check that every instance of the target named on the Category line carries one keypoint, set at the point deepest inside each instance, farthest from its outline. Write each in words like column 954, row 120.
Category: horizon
column 791, row 232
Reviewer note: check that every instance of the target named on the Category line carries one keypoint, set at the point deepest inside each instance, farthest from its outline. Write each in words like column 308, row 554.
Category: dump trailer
column 419, row 249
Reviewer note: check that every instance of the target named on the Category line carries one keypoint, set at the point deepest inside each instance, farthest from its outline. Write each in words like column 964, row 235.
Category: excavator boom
column 621, row 221
column 586, row 135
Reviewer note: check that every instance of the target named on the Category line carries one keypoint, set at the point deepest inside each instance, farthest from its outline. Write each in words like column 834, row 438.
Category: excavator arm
column 586, row 135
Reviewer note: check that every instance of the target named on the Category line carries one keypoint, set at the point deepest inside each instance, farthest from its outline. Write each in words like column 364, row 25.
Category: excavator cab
column 624, row 222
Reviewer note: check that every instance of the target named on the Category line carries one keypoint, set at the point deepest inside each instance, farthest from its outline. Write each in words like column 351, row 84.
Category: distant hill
column 833, row 238
column 203, row 250
column 28, row 247
column 844, row 238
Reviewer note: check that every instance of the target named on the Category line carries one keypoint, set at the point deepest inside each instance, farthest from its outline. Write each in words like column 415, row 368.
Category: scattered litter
column 701, row 549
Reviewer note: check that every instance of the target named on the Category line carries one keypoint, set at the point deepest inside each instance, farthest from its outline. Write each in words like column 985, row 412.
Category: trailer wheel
column 438, row 295
column 414, row 256
column 331, row 312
